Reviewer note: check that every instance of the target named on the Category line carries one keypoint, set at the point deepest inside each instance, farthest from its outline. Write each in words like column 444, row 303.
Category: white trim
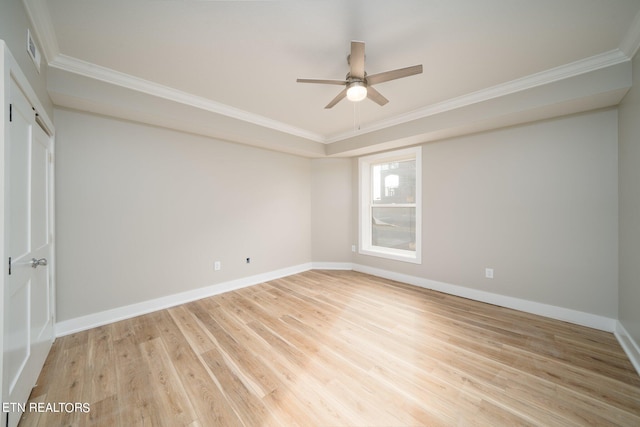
column 554, row 312
column 631, row 42
column 10, row 72
column 628, row 345
column 331, row 266
column 89, row 321
column 21, row 80
column 593, row 63
column 107, row 75
column 5, row 65
column 391, row 253
column 93, row 71
column 82, row 323
column 365, row 246
column 40, row 17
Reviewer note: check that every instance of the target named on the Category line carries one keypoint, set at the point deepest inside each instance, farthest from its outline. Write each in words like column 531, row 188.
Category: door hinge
column 10, row 112
column 9, row 266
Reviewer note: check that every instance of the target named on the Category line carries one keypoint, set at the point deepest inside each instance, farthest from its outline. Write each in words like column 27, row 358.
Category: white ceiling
column 235, row 64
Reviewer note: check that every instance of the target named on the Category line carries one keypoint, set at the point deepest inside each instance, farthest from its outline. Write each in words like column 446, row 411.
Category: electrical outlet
column 217, row 266
column 488, row 273
column 248, row 260
column 353, row 248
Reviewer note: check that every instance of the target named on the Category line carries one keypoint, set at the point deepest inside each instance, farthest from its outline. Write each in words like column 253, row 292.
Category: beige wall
column 13, row 30
column 143, row 212
column 538, row 203
column 331, row 215
column 629, row 175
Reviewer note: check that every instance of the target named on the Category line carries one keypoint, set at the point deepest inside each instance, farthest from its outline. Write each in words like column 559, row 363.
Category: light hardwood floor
column 334, row 348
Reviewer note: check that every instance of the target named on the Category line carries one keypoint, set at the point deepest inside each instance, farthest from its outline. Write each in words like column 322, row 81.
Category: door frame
column 8, row 71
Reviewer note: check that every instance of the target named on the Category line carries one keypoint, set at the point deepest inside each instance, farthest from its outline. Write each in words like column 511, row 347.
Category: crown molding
column 631, row 43
column 552, row 75
column 107, row 75
column 583, row 66
column 40, row 18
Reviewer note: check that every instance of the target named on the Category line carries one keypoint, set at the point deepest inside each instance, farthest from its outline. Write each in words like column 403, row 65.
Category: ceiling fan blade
column 324, row 82
column 356, row 60
column 338, row 98
column 394, row 74
column 375, row 96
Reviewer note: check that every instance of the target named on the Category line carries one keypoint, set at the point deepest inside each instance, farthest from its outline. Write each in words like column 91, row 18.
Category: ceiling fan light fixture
column 358, row 84
column 356, row 92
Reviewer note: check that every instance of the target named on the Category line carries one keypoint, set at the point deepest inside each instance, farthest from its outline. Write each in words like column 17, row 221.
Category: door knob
column 36, row 262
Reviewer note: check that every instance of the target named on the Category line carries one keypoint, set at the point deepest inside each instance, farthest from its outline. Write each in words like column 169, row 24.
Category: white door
column 28, row 315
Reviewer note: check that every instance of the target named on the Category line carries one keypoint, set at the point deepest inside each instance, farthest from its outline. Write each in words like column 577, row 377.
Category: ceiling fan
column 358, row 83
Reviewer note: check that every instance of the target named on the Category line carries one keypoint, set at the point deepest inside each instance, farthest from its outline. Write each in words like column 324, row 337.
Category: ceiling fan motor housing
column 358, row 84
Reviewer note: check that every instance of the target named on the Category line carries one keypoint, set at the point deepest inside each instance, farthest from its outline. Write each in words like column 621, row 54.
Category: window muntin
column 390, row 205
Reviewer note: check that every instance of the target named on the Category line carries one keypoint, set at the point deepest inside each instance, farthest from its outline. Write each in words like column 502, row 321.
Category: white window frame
column 365, row 165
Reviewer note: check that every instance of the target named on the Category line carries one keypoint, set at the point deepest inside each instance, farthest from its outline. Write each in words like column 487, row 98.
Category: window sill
column 394, row 254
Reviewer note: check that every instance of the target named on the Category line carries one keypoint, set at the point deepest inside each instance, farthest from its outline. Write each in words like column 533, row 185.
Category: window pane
column 394, row 228
column 390, row 205
column 394, row 182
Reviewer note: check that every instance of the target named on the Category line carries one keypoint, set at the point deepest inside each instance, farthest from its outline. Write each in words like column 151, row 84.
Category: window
column 390, row 205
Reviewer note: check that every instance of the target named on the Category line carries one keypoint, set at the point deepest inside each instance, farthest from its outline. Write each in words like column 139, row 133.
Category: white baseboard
column 82, row 323
column 78, row 324
column 559, row 313
column 629, row 345
column 332, row 266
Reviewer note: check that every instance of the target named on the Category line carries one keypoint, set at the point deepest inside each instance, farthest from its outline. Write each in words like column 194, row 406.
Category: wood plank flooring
column 338, row 348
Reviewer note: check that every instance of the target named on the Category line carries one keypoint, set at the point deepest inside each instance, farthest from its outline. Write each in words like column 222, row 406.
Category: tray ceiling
column 235, row 63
